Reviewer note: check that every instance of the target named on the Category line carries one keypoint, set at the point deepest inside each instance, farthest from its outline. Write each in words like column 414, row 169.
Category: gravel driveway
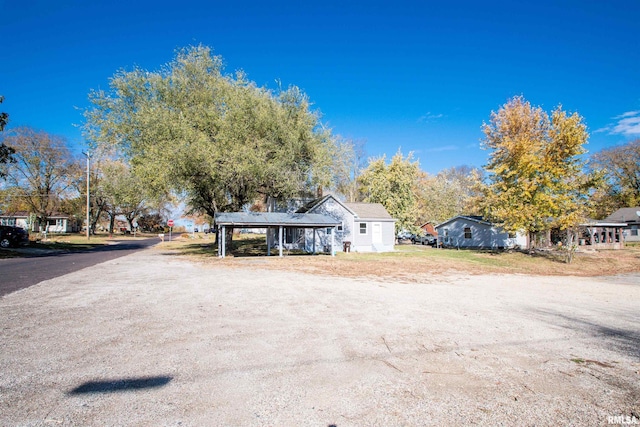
column 152, row 339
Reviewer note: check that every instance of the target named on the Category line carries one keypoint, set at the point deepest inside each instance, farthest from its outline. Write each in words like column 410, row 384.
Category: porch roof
column 598, row 223
column 274, row 219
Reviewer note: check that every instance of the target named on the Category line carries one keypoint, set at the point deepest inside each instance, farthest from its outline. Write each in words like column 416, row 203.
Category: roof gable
column 316, row 203
column 473, row 218
column 358, row 210
column 625, row 215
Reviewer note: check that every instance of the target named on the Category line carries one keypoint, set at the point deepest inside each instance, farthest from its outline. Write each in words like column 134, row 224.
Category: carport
column 270, row 220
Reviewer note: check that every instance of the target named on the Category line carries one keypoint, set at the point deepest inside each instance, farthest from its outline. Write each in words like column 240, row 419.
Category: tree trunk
column 532, row 241
column 112, row 222
column 130, row 221
column 571, row 246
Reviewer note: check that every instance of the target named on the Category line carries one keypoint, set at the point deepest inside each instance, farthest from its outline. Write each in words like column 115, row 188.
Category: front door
column 376, row 233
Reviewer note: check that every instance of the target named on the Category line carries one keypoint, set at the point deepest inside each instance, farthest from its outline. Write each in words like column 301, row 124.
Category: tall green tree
column 621, row 168
column 217, row 138
column 393, row 185
column 536, row 179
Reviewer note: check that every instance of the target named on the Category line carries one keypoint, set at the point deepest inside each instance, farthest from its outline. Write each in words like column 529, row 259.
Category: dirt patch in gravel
column 155, row 339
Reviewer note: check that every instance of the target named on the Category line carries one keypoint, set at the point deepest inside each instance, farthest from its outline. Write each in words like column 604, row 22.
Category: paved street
column 19, row 273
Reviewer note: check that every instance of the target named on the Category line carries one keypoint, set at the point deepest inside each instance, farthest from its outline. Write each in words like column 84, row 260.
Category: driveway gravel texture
column 154, row 339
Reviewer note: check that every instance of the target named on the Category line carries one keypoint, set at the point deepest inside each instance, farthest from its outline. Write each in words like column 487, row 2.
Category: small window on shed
column 363, row 228
column 467, row 232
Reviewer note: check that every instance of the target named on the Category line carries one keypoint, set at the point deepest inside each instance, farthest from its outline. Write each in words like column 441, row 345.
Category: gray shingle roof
column 625, row 215
column 369, row 210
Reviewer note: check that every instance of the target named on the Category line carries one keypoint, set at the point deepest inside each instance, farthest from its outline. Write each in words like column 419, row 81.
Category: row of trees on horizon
column 222, row 143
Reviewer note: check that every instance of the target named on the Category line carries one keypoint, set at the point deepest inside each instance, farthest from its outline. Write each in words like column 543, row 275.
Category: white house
column 631, row 218
column 365, row 227
column 56, row 223
column 474, row 232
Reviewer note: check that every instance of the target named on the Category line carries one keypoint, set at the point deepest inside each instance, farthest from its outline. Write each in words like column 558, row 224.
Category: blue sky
column 420, row 76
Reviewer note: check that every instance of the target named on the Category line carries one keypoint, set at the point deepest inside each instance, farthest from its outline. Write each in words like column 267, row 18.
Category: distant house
column 56, row 223
column 630, row 217
column 429, row 228
column 473, row 232
column 367, row 227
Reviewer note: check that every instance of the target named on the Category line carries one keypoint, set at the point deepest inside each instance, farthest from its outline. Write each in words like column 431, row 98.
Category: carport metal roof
column 274, row 219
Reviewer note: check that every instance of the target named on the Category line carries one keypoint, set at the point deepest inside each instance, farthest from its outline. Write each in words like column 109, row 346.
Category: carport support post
column 333, row 241
column 314, row 240
column 268, row 241
column 222, row 241
column 280, row 240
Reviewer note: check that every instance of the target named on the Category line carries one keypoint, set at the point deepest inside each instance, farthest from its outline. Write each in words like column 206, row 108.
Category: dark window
column 363, row 228
column 291, row 235
column 467, row 232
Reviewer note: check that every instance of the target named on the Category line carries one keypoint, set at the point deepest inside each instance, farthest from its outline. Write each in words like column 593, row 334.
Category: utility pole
column 88, row 199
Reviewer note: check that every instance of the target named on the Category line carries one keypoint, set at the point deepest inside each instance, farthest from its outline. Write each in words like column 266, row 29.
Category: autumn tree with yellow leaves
column 536, row 178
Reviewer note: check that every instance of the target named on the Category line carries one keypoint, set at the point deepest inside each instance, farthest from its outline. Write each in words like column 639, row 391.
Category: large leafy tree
column 219, row 139
column 536, row 178
column 43, row 172
column 393, row 185
column 121, row 192
column 621, row 168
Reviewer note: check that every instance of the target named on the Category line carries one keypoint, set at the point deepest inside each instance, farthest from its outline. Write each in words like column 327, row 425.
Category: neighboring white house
column 367, row 227
column 474, row 232
column 631, row 217
column 56, row 223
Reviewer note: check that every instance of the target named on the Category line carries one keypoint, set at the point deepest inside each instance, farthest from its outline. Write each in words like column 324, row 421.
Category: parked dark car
column 13, row 236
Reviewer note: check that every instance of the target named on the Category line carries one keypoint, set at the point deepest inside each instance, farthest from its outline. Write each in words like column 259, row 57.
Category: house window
column 59, row 223
column 363, row 228
column 291, row 235
column 634, row 230
column 340, row 228
column 467, row 232
column 8, row 221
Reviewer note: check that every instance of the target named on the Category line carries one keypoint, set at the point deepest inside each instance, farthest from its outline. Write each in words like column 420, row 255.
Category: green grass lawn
column 410, row 259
